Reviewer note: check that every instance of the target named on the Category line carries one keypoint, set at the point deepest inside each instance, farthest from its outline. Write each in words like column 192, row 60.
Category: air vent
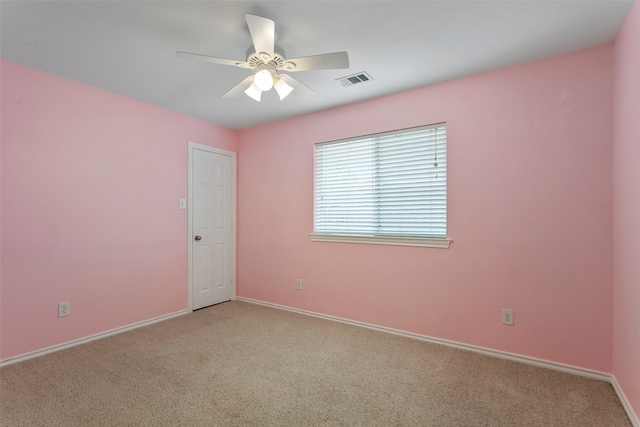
column 354, row 79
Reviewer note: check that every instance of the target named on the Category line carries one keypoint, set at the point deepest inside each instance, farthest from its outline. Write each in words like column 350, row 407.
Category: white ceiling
column 128, row 47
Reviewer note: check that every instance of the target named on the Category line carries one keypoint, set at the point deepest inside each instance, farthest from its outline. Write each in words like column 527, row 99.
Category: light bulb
column 282, row 88
column 254, row 92
column 263, row 79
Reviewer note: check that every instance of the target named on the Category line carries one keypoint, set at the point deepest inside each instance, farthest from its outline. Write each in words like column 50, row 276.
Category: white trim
column 610, row 378
column 94, row 337
column 625, row 402
column 569, row 369
column 387, row 133
column 477, row 349
column 207, row 148
column 425, row 242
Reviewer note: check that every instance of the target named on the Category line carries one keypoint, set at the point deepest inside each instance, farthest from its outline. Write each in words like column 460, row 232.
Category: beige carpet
column 240, row 364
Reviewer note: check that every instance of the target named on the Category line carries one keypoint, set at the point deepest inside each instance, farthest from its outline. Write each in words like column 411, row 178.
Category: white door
column 212, row 233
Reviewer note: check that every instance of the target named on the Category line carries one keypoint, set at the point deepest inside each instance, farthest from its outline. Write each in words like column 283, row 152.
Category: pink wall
column 626, row 209
column 530, row 213
column 90, row 189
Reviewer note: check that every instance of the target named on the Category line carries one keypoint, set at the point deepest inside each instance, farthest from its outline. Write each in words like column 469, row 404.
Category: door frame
column 192, row 147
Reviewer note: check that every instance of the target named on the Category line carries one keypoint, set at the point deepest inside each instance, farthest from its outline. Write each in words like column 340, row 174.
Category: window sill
column 425, row 242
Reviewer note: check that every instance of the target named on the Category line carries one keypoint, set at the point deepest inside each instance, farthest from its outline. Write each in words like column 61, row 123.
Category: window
column 388, row 188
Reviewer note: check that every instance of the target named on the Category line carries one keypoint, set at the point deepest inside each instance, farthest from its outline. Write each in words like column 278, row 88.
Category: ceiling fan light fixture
column 266, row 59
column 254, row 92
column 263, row 79
column 282, row 88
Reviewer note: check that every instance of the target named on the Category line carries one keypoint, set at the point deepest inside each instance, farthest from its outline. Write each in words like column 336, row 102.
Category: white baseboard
column 625, row 402
column 69, row 344
column 610, row 378
column 570, row 369
column 477, row 349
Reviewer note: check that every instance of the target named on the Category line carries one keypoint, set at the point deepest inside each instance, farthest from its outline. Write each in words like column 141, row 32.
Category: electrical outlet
column 507, row 316
column 299, row 284
column 64, row 309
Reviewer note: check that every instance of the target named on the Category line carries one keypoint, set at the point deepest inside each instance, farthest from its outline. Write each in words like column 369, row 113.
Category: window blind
column 389, row 184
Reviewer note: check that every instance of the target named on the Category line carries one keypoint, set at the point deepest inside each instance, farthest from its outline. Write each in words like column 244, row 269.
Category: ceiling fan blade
column 263, row 34
column 326, row 61
column 212, row 59
column 239, row 89
column 298, row 88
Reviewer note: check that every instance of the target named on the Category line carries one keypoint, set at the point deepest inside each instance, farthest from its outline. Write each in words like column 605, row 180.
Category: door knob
column 198, row 238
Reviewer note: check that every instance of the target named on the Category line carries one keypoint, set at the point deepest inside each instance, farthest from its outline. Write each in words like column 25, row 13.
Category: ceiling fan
column 268, row 63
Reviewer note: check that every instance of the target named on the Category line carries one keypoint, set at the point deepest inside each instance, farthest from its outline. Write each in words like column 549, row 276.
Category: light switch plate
column 183, row 203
